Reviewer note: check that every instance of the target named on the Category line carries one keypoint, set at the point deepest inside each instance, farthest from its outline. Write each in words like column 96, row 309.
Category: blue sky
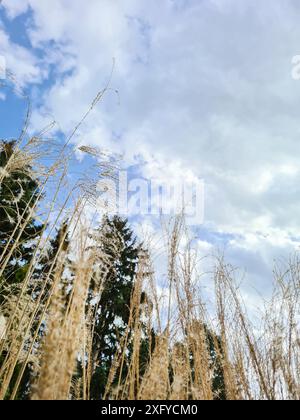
column 205, row 90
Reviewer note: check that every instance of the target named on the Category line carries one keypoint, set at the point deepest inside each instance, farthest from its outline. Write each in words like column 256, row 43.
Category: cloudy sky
column 205, row 90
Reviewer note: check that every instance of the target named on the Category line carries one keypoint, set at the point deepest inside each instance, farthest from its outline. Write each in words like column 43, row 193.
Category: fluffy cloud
column 207, row 84
column 15, row 7
column 26, row 67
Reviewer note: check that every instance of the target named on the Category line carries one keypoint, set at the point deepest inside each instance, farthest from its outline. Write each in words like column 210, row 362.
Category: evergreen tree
column 44, row 272
column 114, row 280
column 57, row 249
column 214, row 348
column 18, row 195
column 215, row 352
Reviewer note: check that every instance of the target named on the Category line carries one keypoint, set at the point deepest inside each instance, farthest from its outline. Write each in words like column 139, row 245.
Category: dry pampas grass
column 194, row 341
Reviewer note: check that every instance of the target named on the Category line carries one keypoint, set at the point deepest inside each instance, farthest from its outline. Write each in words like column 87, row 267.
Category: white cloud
column 23, row 64
column 15, row 7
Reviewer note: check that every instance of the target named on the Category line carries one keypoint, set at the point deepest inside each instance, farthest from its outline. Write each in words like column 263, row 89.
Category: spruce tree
column 43, row 273
column 215, row 352
column 115, row 272
column 18, row 196
column 57, row 249
column 214, row 349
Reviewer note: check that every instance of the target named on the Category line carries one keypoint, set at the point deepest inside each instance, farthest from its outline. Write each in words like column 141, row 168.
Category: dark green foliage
column 215, row 348
column 118, row 257
column 45, row 270
column 24, row 388
column 48, row 263
column 18, row 195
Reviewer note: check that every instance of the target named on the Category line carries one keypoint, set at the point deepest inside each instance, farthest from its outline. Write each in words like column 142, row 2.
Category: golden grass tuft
column 258, row 362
